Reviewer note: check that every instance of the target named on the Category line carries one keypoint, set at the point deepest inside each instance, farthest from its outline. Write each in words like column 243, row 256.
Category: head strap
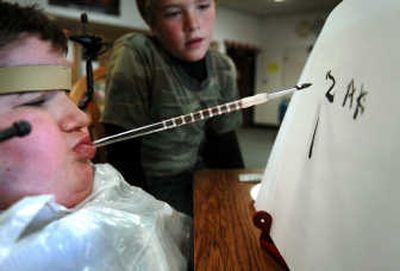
column 34, row 78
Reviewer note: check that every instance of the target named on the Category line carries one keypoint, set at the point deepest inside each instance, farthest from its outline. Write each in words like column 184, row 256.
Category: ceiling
column 271, row 8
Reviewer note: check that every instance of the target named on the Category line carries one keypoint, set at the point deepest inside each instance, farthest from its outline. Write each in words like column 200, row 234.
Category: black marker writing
column 329, row 94
column 349, row 94
column 360, row 106
column 352, row 96
column 310, row 150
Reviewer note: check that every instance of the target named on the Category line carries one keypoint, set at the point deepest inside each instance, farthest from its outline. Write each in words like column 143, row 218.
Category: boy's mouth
column 194, row 43
column 85, row 150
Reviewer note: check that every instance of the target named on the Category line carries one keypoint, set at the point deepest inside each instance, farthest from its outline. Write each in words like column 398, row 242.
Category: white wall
column 229, row 24
column 282, row 46
column 129, row 16
column 286, row 41
column 241, row 27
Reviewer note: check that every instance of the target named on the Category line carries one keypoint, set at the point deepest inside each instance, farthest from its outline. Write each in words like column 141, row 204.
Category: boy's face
column 184, row 27
column 54, row 157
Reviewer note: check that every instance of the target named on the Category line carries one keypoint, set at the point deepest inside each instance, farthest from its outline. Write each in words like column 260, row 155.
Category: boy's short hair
column 16, row 21
column 146, row 11
column 144, row 7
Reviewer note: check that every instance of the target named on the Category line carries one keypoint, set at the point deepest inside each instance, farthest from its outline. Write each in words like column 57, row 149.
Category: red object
column 263, row 221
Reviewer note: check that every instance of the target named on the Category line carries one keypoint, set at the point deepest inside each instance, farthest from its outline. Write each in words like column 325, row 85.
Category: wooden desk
column 224, row 235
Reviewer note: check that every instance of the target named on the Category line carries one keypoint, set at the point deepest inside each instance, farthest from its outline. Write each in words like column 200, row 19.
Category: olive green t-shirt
column 147, row 85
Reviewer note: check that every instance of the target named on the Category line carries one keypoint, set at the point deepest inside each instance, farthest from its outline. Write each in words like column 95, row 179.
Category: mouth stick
column 198, row 115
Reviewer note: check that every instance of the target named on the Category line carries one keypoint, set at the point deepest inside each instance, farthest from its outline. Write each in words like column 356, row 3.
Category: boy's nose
column 192, row 21
column 74, row 118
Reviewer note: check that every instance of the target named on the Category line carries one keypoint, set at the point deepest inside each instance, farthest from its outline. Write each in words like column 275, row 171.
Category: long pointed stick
column 198, row 115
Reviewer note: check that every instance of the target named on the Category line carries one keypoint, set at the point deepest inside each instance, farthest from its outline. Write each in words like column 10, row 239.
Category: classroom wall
column 230, row 24
column 240, row 27
column 284, row 42
column 129, row 16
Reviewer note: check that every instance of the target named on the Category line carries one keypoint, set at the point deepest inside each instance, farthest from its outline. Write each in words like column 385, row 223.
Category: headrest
column 34, row 78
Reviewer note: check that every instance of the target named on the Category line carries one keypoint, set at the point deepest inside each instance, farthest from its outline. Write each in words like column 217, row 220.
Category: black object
column 222, row 151
column 92, row 46
column 125, row 156
column 19, row 128
column 302, row 86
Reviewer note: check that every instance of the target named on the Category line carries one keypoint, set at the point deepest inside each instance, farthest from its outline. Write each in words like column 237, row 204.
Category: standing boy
column 166, row 74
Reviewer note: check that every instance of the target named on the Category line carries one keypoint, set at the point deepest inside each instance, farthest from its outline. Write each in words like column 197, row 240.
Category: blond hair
column 146, row 10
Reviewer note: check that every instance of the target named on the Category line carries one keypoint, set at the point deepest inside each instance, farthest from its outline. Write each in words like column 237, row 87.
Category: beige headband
column 34, row 78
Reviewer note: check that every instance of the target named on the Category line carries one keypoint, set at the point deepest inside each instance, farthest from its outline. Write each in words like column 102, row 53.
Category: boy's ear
column 153, row 30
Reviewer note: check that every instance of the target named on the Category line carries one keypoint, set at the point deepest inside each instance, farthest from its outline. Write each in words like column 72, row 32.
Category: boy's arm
column 221, row 149
column 126, row 106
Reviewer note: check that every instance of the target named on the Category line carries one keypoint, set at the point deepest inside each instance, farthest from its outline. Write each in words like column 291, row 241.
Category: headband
column 34, row 78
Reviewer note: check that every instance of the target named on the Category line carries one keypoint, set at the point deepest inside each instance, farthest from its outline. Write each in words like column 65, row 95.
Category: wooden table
column 224, row 235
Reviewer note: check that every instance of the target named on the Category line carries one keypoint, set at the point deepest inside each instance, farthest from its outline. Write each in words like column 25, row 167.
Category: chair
column 95, row 107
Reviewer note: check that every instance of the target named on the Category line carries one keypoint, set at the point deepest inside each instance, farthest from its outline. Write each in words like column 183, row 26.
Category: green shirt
column 147, row 85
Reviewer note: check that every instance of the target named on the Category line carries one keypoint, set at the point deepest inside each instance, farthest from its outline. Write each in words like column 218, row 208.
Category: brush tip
column 303, row 86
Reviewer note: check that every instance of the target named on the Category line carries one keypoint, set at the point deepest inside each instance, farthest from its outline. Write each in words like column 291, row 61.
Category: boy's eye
column 36, row 99
column 204, row 6
column 172, row 12
column 38, row 102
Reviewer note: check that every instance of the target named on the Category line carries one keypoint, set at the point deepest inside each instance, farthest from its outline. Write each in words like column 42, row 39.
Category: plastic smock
column 119, row 227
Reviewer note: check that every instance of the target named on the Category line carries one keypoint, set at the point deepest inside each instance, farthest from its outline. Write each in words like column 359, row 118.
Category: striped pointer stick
column 196, row 116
